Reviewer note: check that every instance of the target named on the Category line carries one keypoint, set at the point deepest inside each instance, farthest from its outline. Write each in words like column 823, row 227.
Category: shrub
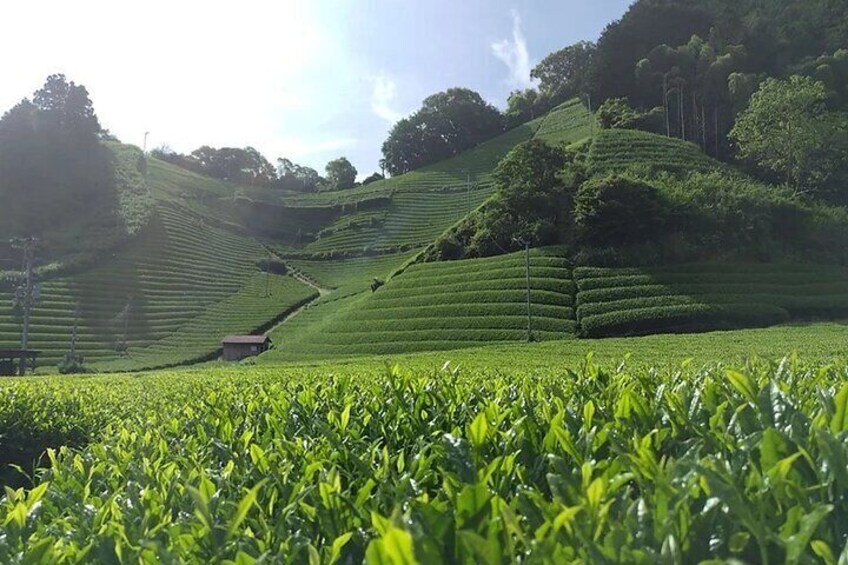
column 73, row 364
column 617, row 210
column 274, row 266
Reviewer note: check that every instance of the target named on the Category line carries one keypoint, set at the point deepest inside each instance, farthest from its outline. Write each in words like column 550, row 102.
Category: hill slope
column 191, row 272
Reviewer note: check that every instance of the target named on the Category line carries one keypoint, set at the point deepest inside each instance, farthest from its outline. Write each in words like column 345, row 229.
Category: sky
column 307, row 80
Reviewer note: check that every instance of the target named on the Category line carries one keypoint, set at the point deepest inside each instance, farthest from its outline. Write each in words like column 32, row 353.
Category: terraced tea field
column 166, row 299
column 703, row 297
column 435, row 306
column 614, row 151
column 420, row 205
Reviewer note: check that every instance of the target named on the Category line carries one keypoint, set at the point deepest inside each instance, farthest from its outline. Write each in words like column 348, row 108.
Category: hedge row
column 682, row 318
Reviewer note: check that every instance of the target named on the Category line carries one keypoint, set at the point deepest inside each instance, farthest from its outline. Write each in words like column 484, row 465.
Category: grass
column 532, row 452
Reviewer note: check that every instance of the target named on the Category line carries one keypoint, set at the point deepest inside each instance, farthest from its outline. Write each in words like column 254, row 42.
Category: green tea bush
column 558, row 465
column 682, row 318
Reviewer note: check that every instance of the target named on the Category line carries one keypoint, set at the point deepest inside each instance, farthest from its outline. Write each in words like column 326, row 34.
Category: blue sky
column 310, row 81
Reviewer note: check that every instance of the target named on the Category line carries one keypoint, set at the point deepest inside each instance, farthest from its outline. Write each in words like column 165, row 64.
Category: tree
column 567, row 73
column 617, row 210
column 341, row 175
column 530, row 203
column 66, row 107
column 372, row 178
column 446, row 124
column 788, row 130
column 241, row 166
column 291, row 176
column 53, row 169
column 525, row 105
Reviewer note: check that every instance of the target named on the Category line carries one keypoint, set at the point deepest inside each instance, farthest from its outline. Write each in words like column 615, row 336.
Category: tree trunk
column 665, row 106
column 715, row 115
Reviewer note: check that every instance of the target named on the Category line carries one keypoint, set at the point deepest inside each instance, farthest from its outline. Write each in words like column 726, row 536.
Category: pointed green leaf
column 839, row 422
column 478, row 429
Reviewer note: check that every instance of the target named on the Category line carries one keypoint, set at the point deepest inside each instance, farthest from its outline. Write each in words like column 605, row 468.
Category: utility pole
column 526, row 244
column 268, row 276
column 589, row 100
column 468, row 189
column 144, row 147
column 74, row 334
column 27, row 293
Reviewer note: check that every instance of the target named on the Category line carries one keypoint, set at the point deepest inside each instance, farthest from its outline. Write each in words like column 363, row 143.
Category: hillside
column 190, row 271
column 187, row 272
column 164, row 297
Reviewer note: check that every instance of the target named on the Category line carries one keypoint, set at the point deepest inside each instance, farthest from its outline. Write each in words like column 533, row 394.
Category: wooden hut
column 237, row 347
column 17, row 361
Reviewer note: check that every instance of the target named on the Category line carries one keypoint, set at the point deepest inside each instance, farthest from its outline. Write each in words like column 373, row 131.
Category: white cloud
column 382, row 97
column 514, row 54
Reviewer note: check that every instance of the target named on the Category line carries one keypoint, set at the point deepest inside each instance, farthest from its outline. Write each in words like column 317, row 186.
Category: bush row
column 682, row 318
column 435, row 325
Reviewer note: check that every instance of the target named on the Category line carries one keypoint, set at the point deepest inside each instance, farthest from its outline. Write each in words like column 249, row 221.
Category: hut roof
column 246, row 339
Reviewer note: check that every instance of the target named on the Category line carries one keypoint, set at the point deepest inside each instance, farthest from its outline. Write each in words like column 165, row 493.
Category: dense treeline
column 249, row 167
column 446, row 124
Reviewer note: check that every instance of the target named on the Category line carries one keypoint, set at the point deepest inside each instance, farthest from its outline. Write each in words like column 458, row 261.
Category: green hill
column 189, row 270
column 440, row 306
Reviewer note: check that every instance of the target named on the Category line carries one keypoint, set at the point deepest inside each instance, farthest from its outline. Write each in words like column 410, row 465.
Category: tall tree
column 242, row 166
column 446, row 124
column 788, row 130
column 341, row 174
column 567, row 73
column 299, row 178
column 53, row 170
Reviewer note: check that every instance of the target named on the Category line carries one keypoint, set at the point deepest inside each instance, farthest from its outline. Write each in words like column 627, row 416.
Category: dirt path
column 322, row 291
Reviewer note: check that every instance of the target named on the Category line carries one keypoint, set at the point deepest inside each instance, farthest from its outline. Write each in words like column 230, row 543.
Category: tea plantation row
column 345, row 464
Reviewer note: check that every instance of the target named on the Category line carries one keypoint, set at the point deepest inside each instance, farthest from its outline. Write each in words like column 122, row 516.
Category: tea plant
column 555, row 465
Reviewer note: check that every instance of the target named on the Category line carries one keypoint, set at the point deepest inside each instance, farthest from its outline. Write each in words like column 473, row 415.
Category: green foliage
column 616, row 113
column 341, row 175
column 446, row 124
column 73, row 364
column 617, row 210
column 233, row 164
column 788, row 131
column 291, row 176
column 613, row 463
column 374, row 177
column 530, row 205
column 567, row 73
column 530, row 199
column 55, row 176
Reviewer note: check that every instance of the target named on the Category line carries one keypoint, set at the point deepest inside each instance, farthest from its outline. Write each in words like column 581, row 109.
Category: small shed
column 17, row 361
column 237, row 347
